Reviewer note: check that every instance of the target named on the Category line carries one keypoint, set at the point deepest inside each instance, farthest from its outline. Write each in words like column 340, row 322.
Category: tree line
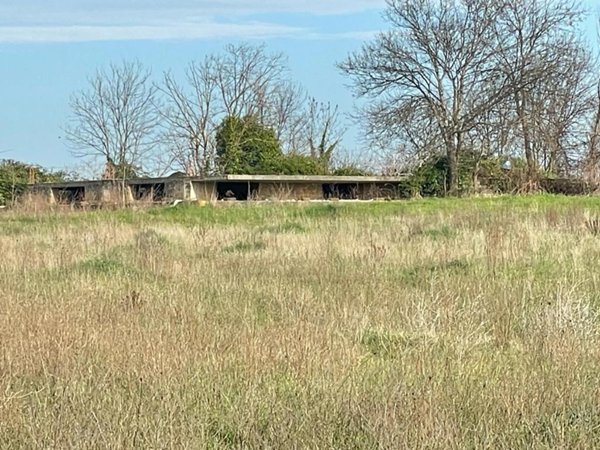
column 452, row 91
column 236, row 112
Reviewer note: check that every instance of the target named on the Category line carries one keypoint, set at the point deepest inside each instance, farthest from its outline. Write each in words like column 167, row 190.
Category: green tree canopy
column 15, row 175
column 244, row 146
column 297, row 164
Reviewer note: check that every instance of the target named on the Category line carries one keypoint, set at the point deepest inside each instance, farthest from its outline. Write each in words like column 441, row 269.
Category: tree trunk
column 529, row 156
column 531, row 166
column 452, row 170
column 591, row 166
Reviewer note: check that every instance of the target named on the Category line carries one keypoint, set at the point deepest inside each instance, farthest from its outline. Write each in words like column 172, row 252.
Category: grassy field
column 434, row 323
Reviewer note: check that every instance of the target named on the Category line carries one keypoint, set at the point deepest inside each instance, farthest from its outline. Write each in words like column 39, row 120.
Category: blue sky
column 49, row 47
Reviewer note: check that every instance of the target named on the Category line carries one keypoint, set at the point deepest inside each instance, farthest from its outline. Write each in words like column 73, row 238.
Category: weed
column 435, row 233
column 102, row 265
column 285, row 227
column 413, row 275
column 593, row 225
column 382, row 344
column 133, row 301
column 149, row 240
column 245, row 246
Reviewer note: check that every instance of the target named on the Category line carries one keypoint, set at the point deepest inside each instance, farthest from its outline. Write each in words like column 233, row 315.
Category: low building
column 227, row 187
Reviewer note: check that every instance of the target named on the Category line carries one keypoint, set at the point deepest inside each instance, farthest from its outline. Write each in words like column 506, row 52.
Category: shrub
column 295, row 164
column 430, row 178
column 244, row 146
column 350, row 170
column 15, row 175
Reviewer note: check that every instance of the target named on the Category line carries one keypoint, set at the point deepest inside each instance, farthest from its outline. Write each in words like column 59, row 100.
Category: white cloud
column 57, row 9
column 103, row 20
column 82, row 33
column 351, row 35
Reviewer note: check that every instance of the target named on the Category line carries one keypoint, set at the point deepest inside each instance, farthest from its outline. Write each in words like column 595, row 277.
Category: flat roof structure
column 225, row 187
column 241, row 178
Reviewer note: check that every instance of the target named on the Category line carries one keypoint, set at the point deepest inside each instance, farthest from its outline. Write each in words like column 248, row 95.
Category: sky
column 48, row 48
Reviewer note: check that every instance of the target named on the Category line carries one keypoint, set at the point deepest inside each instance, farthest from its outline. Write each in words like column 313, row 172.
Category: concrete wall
column 95, row 193
column 203, row 191
column 309, row 191
column 177, row 190
column 109, row 193
column 274, row 191
column 289, row 191
column 371, row 191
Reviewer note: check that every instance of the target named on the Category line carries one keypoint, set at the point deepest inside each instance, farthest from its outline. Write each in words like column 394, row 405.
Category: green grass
column 102, row 265
column 267, row 214
column 245, row 246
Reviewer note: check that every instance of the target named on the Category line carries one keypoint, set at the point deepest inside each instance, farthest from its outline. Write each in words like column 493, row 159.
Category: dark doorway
column 149, row 192
column 69, row 195
column 388, row 190
column 342, row 191
column 236, row 190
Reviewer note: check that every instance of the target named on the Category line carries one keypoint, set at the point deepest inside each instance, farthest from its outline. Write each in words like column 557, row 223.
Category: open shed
column 221, row 188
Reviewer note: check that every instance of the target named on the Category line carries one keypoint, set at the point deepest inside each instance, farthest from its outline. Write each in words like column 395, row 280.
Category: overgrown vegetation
column 476, row 173
column 502, row 78
column 14, row 176
column 234, row 112
column 245, row 146
column 429, row 323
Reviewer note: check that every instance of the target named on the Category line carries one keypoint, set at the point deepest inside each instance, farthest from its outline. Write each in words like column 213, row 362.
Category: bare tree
column 244, row 81
column 556, row 119
column 536, row 42
column 403, row 136
column 562, row 115
column 286, row 115
column 189, row 117
column 591, row 162
column 115, row 119
column 247, row 76
column 451, row 74
column 323, row 130
column 434, row 66
column 591, row 167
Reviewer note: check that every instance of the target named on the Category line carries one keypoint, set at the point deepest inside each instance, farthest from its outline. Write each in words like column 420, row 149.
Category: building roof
column 296, row 179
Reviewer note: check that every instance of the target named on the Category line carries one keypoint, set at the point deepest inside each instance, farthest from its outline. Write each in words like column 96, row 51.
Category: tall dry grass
column 467, row 326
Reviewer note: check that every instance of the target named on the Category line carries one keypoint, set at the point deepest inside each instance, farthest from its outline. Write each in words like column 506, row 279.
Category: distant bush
column 426, row 180
column 430, row 178
column 295, row 164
